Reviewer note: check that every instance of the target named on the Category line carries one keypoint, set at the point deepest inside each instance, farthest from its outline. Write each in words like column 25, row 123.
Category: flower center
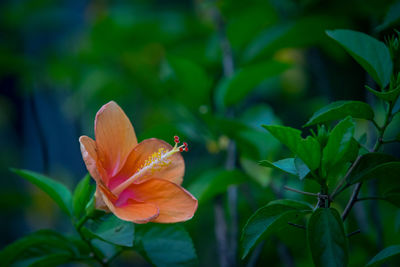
column 155, row 162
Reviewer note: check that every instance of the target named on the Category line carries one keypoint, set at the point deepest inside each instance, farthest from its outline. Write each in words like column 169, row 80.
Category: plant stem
column 354, row 233
column 352, row 200
column 370, row 198
column 301, row 192
column 297, row 225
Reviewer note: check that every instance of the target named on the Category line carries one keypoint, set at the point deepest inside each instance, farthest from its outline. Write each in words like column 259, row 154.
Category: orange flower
column 137, row 182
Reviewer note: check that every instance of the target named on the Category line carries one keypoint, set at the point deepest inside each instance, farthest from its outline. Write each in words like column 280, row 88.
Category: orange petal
column 174, row 202
column 131, row 210
column 173, row 172
column 89, row 155
column 115, row 137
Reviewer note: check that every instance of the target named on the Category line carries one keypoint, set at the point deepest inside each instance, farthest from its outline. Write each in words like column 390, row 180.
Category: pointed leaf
column 327, row 239
column 392, row 16
column 387, row 95
column 307, row 149
column 384, row 255
column 81, row 196
column 57, row 191
column 371, row 54
column 340, row 110
column 270, row 219
column 285, row 165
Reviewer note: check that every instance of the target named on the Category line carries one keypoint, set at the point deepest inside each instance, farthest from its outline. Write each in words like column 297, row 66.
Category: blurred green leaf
column 340, row 110
column 327, row 239
column 232, row 90
column 166, row 245
column 387, row 96
column 39, row 244
column 392, row 17
column 374, row 165
column 371, row 54
column 393, row 196
column 307, row 149
column 55, row 259
column 194, row 81
column 270, row 219
column 214, row 182
column 113, row 230
column 255, row 171
column 384, row 255
column 285, row 165
column 302, row 168
column 57, row 191
column 338, row 144
column 81, row 196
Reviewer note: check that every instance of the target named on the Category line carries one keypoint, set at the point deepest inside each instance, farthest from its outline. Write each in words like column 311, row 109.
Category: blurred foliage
column 162, row 61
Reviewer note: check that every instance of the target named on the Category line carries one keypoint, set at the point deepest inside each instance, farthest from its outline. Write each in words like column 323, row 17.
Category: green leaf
column 113, row 230
column 393, row 196
column 269, row 219
column 327, row 239
column 57, row 191
column 392, row 16
column 55, row 259
column 214, row 182
column 371, row 54
column 307, row 149
column 338, row 144
column 285, row 165
column 340, row 110
column 38, row 244
column 387, row 95
column 294, row 166
column 232, row 90
column 384, row 255
column 374, row 165
column 166, row 245
column 81, row 196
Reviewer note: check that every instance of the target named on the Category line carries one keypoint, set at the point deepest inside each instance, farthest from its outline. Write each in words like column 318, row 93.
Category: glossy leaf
column 57, row 191
column 340, row 110
column 374, row 165
column 270, row 219
column 166, row 245
column 338, row 143
column 285, row 165
column 327, row 239
column 301, row 168
column 371, row 54
column 232, row 90
column 113, row 230
column 384, row 255
column 307, row 149
column 387, row 95
column 214, row 182
column 81, row 196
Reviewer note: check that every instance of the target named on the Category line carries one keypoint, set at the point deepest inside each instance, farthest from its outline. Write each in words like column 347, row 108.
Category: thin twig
column 336, row 190
column 297, row 225
column 352, row 200
column 301, row 192
column 354, row 233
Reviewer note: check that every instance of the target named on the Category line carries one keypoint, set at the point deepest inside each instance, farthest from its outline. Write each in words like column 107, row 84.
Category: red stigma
column 181, row 149
column 185, row 144
column 186, row 149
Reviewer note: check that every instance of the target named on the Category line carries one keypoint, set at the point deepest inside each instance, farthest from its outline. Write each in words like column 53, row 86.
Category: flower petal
column 90, row 157
column 173, row 172
column 130, row 209
column 174, row 202
column 115, row 137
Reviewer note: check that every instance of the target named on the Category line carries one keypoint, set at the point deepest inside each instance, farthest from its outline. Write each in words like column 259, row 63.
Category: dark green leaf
column 113, row 230
column 285, row 165
column 387, row 96
column 270, row 219
column 393, row 196
column 371, row 54
column 55, row 259
column 384, row 255
column 81, row 196
column 338, row 144
column 374, row 165
column 392, row 16
column 307, row 149
column 327, row 239
column 301, row 168
column 340, row 110
column 214, row 182
column 57, row 191
column 166, row 245
column 232, row 90
column 35, row 245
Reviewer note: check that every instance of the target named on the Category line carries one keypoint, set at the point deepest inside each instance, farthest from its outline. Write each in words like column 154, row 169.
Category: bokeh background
column 162, row 62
